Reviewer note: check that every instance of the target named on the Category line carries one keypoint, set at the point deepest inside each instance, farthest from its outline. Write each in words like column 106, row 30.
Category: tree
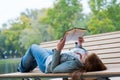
column 113, row 13
column 39, row 32
column 100, row 22
column 97, row 26
column 63, row 16
column 12, row 34
column 2, row 45
column 44, row 30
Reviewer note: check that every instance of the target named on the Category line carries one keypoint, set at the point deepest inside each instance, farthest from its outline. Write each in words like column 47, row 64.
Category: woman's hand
column 61, row 44
column 80, row 40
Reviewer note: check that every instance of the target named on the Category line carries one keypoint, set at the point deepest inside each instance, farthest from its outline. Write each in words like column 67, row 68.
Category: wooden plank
column 106, row 73
column 101, row 42
column 32, row 75
column 111, row 66
column 112, row 55
column 111, row 61
column 101, row 37
column 102, row 51
column 103, row 34
column 104, row 46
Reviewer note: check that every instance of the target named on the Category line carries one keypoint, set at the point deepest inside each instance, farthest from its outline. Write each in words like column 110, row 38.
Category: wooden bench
column 106, row 46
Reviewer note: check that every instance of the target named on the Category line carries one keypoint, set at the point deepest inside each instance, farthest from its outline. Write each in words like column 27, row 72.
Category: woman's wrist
column 58, row 49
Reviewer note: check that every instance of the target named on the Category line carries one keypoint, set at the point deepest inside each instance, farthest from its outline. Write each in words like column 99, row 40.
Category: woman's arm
column 55, row 60
column 56, row 54
column 61, row 44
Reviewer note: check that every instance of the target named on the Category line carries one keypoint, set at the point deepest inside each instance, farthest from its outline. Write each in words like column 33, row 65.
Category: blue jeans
column 35, row 56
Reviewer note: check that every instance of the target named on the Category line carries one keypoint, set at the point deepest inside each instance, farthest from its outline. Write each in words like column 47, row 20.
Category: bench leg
column 30, row 79
column 65, row 79
column 37, row 79
column 103, row 78
column 26, row 78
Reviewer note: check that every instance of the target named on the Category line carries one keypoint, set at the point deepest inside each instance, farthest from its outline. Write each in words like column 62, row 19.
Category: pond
column 9, row 66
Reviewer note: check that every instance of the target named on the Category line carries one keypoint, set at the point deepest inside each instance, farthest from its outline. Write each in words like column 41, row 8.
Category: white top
column 76, row 52
column 48, row 60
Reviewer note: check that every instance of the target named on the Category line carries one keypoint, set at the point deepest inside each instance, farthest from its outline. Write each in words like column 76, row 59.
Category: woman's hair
column 92, row 63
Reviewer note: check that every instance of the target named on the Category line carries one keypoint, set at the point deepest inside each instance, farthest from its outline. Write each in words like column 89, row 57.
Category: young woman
column 56, row 61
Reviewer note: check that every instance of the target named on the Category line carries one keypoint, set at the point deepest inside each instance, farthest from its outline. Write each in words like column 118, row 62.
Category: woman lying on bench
column 54, row 61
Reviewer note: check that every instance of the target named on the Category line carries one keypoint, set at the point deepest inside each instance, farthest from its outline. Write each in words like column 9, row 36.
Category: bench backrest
column 106, row 46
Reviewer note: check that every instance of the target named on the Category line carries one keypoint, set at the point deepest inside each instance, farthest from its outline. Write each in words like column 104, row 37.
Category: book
column 74, row 34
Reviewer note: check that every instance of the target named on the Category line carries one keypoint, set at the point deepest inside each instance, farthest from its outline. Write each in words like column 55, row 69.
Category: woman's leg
column 33, row 57
column 27, row 63
column 40, row 54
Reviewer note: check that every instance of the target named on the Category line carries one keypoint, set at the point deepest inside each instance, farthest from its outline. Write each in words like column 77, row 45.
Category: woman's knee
column 36, row 49
column 34, row 46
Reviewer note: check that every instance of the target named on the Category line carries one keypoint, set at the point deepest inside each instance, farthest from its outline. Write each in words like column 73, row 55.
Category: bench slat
column 104, row 34
column 102, row 37
column 103, row 56
column 111, row 61
column 102, row 51
column 107, row 73
column 111, row 66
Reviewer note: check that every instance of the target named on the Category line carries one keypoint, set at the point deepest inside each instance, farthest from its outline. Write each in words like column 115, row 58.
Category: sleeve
column 66, row 67
column 55, row 59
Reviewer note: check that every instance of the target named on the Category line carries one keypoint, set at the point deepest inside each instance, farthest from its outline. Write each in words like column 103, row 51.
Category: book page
column 74, row 34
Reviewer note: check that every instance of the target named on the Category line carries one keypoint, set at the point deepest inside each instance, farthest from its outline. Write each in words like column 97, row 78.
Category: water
column 10, row 66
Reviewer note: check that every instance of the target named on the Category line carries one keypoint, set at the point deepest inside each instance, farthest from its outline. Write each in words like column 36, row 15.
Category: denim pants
column 35, row 56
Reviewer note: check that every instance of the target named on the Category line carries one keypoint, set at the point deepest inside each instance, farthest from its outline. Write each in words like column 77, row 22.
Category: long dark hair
column 92, row 63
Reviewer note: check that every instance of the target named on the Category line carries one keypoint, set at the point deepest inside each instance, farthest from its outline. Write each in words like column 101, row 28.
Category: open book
column 74, row 34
